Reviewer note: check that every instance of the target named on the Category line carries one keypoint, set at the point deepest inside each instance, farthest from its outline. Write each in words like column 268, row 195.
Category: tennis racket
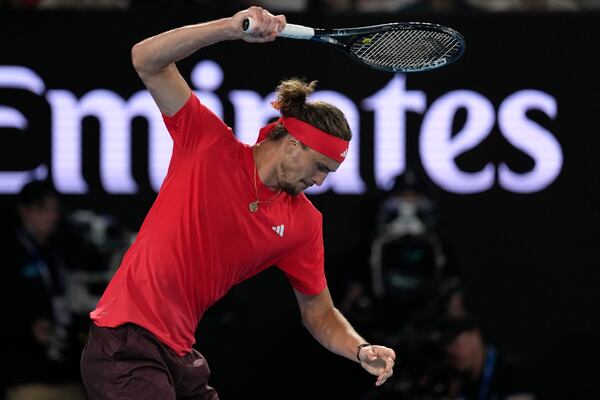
column 395, row 47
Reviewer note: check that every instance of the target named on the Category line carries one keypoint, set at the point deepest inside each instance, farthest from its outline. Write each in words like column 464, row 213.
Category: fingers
column 388, row 360
column 282, row 21
column 383, row 359
column 391, row 353
column 384, row 353
column 383, row 377
column 265, row 26
column 389, row 364
column 370, row 354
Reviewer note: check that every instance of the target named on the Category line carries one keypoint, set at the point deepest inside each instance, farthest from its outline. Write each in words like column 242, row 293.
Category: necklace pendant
column 253, row 207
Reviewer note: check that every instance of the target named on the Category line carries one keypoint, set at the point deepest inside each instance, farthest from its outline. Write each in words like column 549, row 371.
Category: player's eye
column 322, row 168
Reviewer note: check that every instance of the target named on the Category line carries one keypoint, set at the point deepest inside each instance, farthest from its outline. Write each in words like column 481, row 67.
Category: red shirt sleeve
column 304, row 267
column 195, row 128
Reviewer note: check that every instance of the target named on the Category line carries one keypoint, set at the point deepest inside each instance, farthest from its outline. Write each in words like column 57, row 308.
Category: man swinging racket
column 225, row 212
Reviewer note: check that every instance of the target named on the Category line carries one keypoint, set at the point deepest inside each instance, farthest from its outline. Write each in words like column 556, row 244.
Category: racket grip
column 291, row 31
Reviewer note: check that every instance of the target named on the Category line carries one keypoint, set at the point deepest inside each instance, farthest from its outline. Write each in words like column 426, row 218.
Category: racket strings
column 406, row 49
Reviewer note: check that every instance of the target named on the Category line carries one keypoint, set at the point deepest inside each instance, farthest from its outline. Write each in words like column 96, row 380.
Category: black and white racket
column 395, row 47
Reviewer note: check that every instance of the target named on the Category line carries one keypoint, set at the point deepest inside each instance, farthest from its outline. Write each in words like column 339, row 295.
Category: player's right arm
column 154, row 58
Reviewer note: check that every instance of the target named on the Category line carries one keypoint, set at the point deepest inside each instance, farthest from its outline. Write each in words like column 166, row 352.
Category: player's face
column 303, row 167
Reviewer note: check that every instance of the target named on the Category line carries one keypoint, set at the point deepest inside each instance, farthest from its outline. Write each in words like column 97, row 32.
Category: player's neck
column 265, row 157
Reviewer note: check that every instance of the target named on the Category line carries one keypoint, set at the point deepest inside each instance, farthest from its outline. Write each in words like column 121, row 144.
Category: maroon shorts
column 128, row 362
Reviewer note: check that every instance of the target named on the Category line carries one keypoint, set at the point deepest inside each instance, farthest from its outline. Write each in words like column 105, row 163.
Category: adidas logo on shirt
column 278, row 229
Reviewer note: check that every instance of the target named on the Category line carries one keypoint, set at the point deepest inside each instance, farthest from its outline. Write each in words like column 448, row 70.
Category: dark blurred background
column 463, row 225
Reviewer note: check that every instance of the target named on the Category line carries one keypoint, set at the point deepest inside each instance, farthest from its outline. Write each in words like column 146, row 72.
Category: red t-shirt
column 199, row 238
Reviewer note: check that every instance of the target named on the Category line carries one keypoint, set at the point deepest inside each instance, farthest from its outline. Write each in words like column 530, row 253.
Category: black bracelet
column 360, row 346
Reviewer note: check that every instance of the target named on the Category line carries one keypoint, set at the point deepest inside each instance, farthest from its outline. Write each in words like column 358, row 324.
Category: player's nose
column 319, row 178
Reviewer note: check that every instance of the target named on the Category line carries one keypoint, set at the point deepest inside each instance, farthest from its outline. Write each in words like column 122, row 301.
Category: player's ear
column 292, row 145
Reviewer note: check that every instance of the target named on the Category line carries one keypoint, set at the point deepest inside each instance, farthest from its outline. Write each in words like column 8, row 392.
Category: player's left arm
column 335, row 333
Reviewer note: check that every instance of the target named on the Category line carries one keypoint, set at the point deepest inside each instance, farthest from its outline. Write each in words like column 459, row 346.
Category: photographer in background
column 480, row 370
column 39, row 361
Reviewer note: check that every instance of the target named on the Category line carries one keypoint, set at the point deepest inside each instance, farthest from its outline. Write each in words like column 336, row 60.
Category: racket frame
column 331, row 36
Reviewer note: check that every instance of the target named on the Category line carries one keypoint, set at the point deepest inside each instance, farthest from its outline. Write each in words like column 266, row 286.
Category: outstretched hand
column 266, row 26
column 378, row 361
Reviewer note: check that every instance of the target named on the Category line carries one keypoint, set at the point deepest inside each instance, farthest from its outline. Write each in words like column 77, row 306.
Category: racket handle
column 291, row 31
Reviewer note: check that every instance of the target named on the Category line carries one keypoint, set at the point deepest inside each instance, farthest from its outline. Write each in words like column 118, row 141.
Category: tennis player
column 225, row 212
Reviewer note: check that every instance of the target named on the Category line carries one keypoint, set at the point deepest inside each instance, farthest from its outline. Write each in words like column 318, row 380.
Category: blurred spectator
column 589, row 4
column 312, row 6
column 526, row 5
column 382, row 6
column 482, row 372
column 38, row 357
column 317, row 6
column 332, row 5
column 277, row 6
column 71, row 4
column 440, row 6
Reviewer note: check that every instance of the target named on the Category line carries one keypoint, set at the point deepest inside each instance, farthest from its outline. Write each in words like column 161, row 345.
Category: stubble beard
column 289, row 189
